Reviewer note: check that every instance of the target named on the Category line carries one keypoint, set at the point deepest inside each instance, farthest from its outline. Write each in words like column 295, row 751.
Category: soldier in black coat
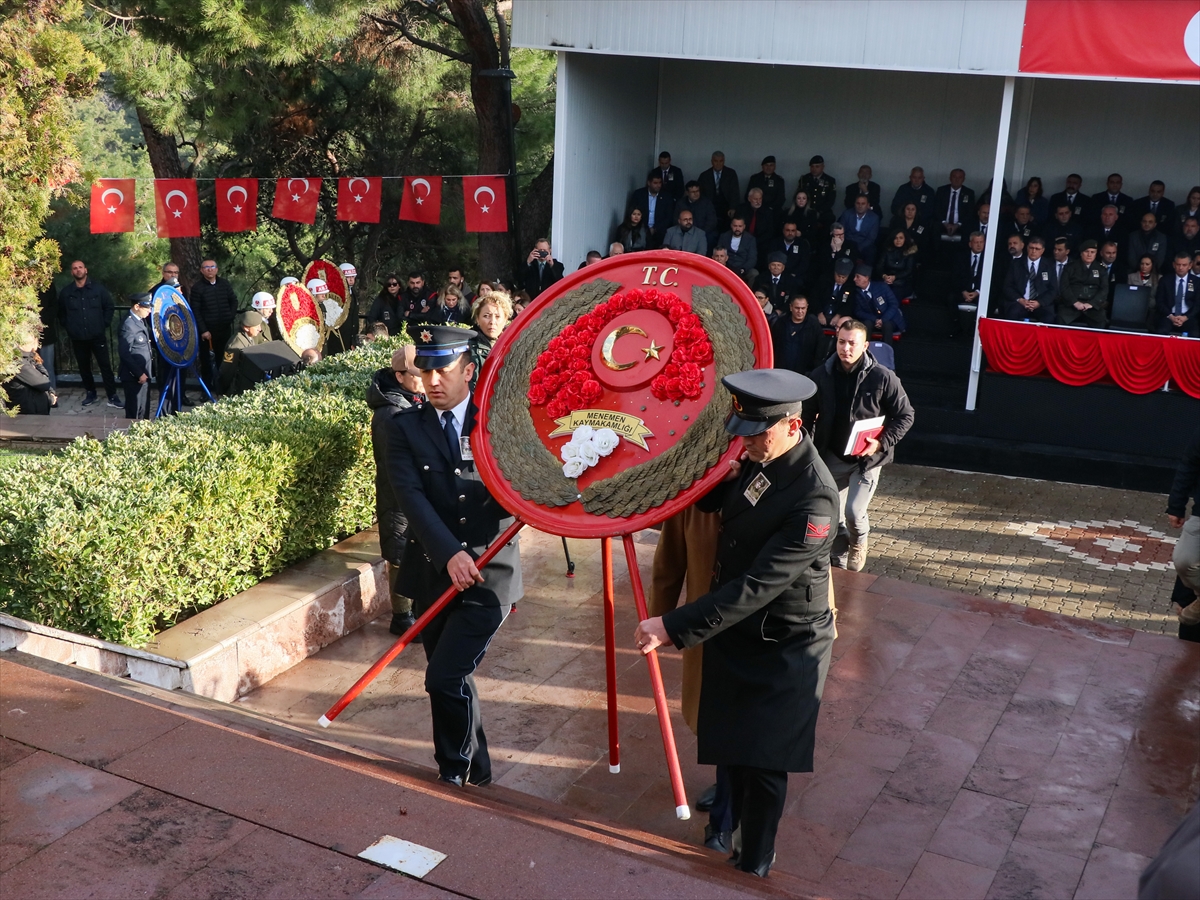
column 393, row 389
column 766, row 622
column 452, row 519
column 136, row 351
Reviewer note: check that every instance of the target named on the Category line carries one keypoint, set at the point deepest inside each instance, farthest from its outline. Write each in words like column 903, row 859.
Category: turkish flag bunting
column 112, row 205
column 1154, row 39
column 359, row 199
column 237, row 204
column 485, row 203
column 422, row 199
column 296, row 199
column 177, row 207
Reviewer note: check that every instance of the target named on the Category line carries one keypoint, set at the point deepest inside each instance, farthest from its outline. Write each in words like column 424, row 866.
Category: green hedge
column 116, row 538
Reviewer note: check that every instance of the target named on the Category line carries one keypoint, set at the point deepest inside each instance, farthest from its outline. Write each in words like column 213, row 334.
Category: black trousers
column 758, row 797
column 210, row 361
column 84, row 351
column 137, row 400
column 455, row 643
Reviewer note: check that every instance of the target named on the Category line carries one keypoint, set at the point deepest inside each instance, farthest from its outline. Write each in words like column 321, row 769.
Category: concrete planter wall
column 236, row 646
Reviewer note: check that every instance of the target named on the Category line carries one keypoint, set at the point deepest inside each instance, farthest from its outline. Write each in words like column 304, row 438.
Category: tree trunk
column 536, row 208
column 164, row 160
column 490, row 96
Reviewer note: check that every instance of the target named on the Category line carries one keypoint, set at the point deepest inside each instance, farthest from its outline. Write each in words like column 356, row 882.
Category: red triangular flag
column 177, row 207
column 112, row 205
column 359, row 199
column 237, row 204
column 422, row 199
column 296, row 199
column 485, row 203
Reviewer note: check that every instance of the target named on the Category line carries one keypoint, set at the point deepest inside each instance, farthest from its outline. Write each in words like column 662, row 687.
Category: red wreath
column 563, row 381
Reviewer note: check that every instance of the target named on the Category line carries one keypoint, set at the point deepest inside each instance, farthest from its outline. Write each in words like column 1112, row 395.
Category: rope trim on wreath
column 537, row 473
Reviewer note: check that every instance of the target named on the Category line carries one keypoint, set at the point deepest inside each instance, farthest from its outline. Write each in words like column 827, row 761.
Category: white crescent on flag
column 303, row 181
column 428, row 186
column 117, row 191
column 1191, row 39
column 170, row 194
column 484, row 189
column 366, row 189
column 236, row 189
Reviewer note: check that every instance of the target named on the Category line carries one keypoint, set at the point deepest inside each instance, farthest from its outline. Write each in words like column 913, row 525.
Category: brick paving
column 70, row 420
column 992, row 536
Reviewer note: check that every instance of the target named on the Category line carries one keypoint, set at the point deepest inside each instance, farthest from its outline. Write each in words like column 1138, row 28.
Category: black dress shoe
column 401, row 622
column 455, row 780
column 705, row 801
column 763, row 869
column 717, row 840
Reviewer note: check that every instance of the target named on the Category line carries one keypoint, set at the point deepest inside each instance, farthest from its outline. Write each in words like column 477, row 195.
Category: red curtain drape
column 1139, row 363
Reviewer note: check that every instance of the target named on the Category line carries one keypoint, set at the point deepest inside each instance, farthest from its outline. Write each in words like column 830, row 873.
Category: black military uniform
column 432, row 472
column 231, row 361
column 136, row 351
column 772, row 185
column 821, row 190
column 1084, row 283
column 766, row 621
column 387, row 397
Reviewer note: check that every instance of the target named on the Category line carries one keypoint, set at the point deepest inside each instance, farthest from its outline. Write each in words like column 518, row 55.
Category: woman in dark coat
column 633, row 233
column 897, row 264
column 29, row 390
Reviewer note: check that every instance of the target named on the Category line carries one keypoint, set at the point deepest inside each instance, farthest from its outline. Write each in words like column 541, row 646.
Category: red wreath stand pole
column 417, row 627
column 656, row 684
column 610, row 654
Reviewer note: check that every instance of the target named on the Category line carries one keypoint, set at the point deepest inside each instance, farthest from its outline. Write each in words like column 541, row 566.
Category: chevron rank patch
column 817, row 529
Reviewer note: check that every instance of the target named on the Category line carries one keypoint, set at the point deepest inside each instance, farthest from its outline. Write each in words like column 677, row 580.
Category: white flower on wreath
column 585, row 448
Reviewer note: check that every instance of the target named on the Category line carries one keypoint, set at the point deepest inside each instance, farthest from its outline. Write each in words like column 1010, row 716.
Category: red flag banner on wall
column 358, row 199
column 177, row 207
column 422, row 199
column 237, row 204
column 112, row 205
column 485, row 203
column 296, row 199
column 1156, row 39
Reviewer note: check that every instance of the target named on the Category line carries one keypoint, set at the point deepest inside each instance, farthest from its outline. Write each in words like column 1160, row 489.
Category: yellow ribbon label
column 629, row 427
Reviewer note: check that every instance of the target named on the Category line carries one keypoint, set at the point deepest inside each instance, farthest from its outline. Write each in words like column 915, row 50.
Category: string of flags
column 359, row 199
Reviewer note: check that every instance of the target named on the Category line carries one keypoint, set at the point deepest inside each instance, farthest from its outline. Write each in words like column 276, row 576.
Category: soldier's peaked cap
column 761, row 397
column 439, row 345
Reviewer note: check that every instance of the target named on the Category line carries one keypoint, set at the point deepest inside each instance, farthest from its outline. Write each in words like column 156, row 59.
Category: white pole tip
column 324, row 722
column 614, row 769
column 683, row 813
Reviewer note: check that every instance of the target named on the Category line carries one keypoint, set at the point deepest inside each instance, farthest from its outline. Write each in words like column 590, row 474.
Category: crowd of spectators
column 1059, row 260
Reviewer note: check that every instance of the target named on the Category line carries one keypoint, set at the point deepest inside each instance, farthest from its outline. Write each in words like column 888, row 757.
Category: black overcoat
column 766, row 621
column 449, row 509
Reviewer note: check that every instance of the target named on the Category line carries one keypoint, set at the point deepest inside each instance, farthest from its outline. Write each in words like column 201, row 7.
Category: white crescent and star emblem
column 366, row 190
column 177, row 213
column 233, row 190
column 303, row 181
column 484, row 189
column 428, row 189
column 104, row 198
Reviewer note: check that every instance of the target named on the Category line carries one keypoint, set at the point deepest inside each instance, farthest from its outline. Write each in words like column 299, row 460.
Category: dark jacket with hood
column 876, row 391
column 387, row 397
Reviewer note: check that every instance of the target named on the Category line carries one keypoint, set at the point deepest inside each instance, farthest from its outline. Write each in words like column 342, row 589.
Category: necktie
column 1112, row 198
column 451, row 433
column 1032, row 270
column 717, row 179
column 974, row 262
column 1060, row 268
column 1180, row 286
column 774, row 279
column 1153, row 206
column 952, row 212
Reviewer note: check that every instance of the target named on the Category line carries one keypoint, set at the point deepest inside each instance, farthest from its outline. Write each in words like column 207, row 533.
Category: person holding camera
column 541, row 269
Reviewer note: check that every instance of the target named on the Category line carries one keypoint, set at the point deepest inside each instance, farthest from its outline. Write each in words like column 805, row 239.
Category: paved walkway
column 71, row 420
column 966, row 748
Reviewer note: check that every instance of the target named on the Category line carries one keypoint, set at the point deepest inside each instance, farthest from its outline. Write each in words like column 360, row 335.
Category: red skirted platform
column 1139, row 363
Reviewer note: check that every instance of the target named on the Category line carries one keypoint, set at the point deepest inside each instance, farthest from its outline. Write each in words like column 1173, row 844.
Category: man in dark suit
column 1109, row 228
column 742, row 249
column 772, row 185
column 795, row 250
column 862, row 229
column 541, row 269
column 1023, row 225
column 968, row 273
column 864, row 187
column 875, row 305
column 1147, row 240
column 1155, row 202
column 1072, row 195
column 1177, row 301
column 797, row 337
column 956, row 207
column 917, row 192
column 672, row 176
column 766, row 623
column 704, row 216
column 1064, row 224
column 836, row 297
column 761, row 221
column 452, row 519
column 720, row 185
column 1188, row 239
column 1031, row 288
column 777, row 283
column 656, row 204
column 1112, row 196
column 1114, row 267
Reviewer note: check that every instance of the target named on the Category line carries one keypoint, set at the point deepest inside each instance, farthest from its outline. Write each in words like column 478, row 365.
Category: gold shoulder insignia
column 229, row 356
